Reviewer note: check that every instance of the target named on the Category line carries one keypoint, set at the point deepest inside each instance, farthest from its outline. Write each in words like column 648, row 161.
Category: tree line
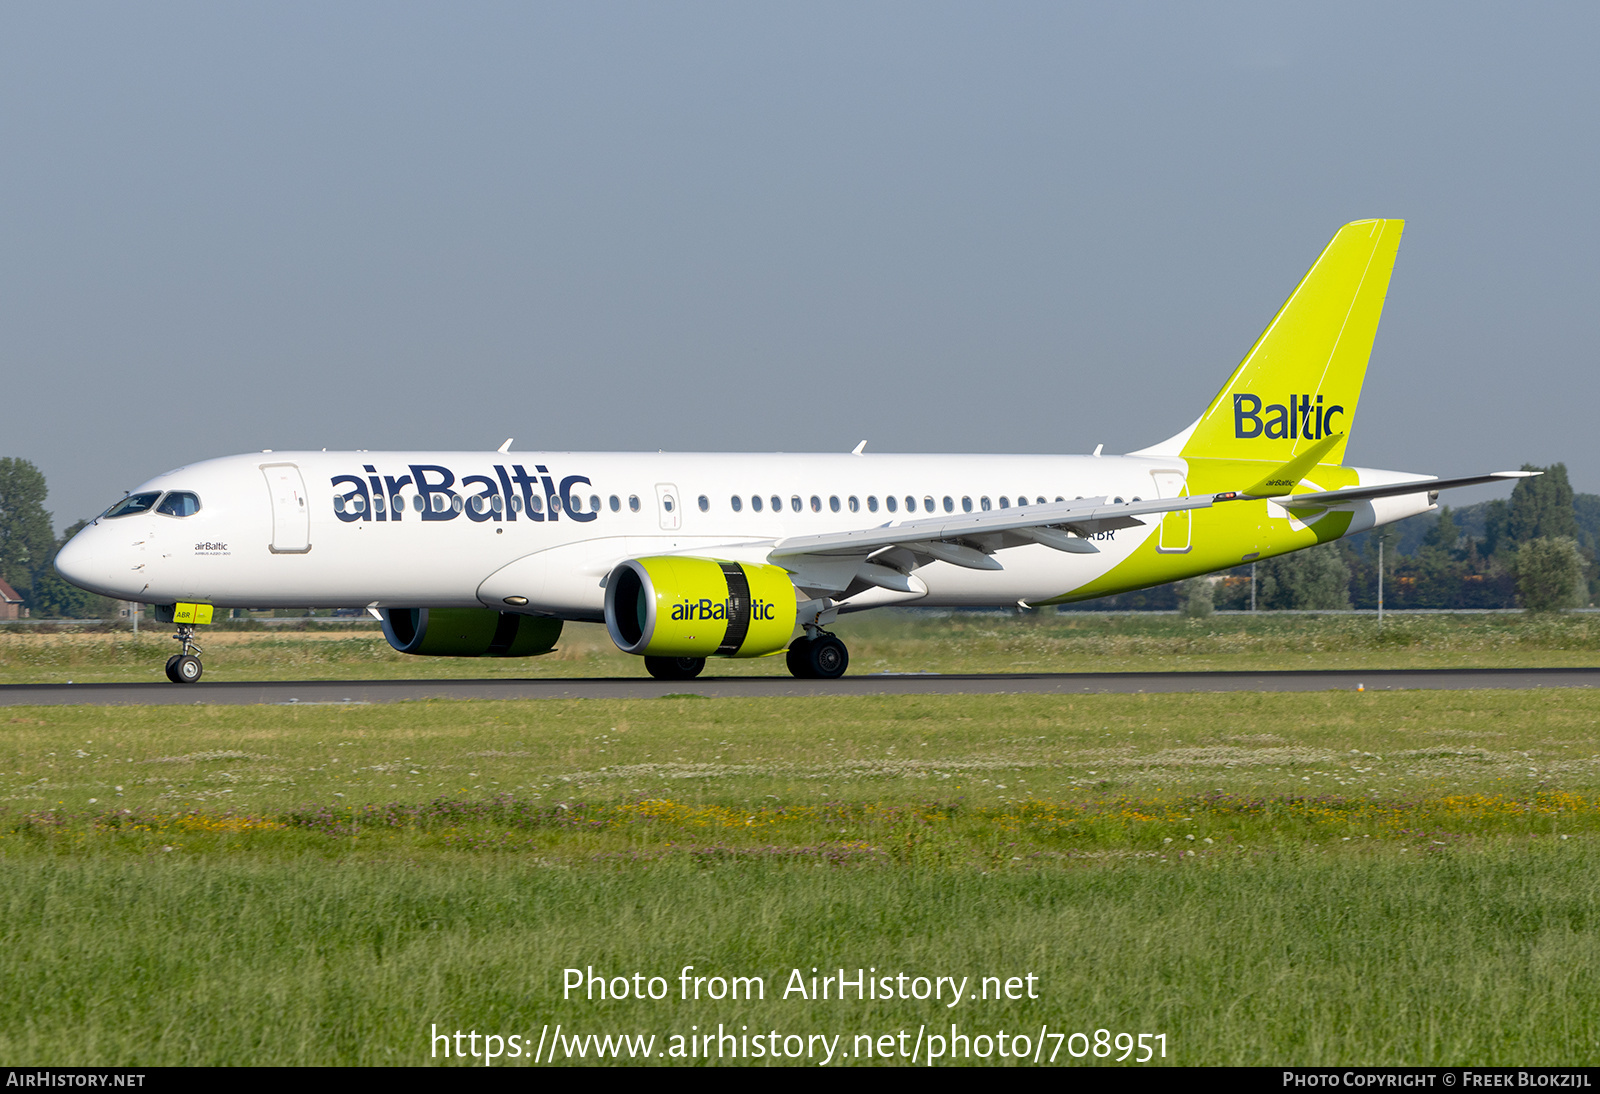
column 28, row 546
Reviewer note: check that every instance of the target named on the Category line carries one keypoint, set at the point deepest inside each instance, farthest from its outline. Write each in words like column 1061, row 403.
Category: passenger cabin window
column 737, row 502
column 181, row 503
column 983, row 503
column 575, row 505
column 777, row 504
column 133, row 503
column 872, row 503
column 594, row 503
column 795, row 503
column 950, row 505
column 816, row 504
column 1005, row 502
column 616, row 504
column 755, row 502
column 535, row 504
column 833, row 503
column 855, row 504
column 633, row 503
column 911, row 504
column 891, row 503
column 966, row 505
column 705, row 504
column 927, row 504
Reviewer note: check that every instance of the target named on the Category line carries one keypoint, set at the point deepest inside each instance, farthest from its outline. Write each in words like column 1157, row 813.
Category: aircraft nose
column 82, row 562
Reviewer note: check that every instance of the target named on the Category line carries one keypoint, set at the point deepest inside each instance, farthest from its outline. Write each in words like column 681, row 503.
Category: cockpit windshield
column 133, row 503
column 179, row 503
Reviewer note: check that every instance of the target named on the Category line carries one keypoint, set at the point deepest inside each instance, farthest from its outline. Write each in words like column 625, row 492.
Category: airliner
column 690, row 556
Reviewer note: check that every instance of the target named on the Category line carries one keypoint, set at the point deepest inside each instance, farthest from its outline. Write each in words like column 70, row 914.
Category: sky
column 731, row 227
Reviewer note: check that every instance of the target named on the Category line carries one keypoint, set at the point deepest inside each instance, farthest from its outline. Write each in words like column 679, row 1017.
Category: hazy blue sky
column 982, row 227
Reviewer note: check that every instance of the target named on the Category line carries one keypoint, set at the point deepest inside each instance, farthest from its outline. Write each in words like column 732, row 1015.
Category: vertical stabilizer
column 1300, row 383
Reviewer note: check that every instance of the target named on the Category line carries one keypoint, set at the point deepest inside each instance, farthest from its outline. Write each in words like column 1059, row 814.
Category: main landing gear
column 185, row 667
column 818, row 656
column 674, row 668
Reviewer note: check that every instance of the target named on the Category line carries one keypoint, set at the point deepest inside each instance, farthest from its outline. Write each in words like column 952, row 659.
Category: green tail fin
column 1300, row 383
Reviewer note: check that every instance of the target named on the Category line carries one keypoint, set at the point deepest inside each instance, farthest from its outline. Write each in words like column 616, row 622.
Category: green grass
column 1373, row 878
column 879, row 642
column 1485, row 957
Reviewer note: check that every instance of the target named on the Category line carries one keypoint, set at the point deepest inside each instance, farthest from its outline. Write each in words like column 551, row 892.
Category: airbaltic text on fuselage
column 507, row 495
column 720, row 609
column 1302, row 418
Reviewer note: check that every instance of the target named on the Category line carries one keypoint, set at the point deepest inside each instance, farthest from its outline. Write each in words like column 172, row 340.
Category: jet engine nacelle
column 469, row 632
column 670, row 606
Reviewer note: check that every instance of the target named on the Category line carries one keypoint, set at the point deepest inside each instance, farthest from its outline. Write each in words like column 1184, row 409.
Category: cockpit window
column 179, row 503
column 133, row 503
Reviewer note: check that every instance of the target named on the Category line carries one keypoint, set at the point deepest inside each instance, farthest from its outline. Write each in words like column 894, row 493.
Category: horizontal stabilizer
column 1397, row 489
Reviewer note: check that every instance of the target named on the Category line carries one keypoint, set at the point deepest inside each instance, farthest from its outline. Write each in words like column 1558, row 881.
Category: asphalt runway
column 283, row 693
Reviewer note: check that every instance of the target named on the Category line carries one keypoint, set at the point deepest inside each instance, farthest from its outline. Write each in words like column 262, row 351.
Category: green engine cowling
column 670, row 606
column 469, row 632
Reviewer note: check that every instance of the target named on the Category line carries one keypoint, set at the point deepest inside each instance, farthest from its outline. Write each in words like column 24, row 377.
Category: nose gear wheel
column 185, row 667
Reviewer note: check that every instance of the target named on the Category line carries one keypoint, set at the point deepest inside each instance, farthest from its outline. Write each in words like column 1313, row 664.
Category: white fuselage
column 353, row 529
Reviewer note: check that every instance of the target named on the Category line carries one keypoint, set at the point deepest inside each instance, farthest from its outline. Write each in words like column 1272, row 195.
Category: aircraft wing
column 885, row 555
column 1328, row 498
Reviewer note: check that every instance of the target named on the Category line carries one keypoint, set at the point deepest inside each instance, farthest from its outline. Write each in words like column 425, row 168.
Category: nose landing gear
column 185, row 667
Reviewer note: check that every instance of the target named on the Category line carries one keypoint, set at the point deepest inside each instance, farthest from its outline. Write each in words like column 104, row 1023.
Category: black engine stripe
column 738, row 608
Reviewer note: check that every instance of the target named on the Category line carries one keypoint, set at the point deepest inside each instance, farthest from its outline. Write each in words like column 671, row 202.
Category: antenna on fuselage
column 507, row 446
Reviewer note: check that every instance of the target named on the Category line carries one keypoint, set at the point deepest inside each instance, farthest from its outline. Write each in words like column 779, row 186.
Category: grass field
column 1333, row 878
column 879, row 642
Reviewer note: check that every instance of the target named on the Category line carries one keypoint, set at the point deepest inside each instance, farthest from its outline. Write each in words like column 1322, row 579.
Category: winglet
column 507, row 446
column 1277, row 483
column 858, row 449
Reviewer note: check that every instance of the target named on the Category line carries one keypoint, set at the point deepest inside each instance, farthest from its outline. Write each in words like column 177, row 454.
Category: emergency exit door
column 1173, row 538
column 670, row 506
column 291, row 512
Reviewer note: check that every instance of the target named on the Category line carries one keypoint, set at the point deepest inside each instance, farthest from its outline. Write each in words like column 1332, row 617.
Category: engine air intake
column 670, row 606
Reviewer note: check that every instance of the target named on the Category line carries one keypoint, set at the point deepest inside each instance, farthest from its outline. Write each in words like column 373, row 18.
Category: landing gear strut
column 674, row 668
column 185, row 667
column 818, row 656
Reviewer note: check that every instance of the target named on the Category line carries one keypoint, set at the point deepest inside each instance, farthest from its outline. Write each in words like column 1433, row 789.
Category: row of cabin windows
column 891, row 503
column 478, row 504
column 535, row 504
